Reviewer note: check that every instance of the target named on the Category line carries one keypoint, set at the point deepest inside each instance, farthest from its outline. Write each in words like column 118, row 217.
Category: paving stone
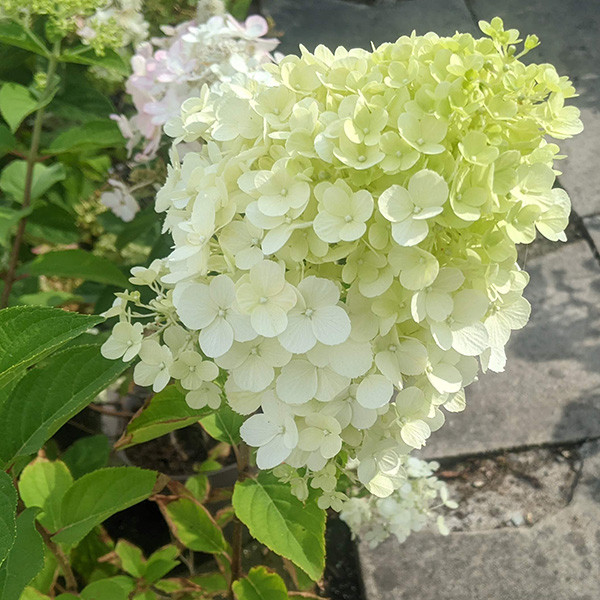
column 556, row 559
column 335, row 22
column 569, row 32
column 550, row 391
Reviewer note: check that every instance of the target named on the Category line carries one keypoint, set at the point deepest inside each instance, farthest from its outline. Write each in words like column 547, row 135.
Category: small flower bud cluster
column 115, row 24
column 408, row 509
column 344, row 248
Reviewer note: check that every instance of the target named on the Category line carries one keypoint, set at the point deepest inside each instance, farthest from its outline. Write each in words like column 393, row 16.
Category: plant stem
column 242, row 454
column 61, row 558
column 31, row 161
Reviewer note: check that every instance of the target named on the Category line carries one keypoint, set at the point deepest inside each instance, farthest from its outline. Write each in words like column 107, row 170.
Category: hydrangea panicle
column 345, row 251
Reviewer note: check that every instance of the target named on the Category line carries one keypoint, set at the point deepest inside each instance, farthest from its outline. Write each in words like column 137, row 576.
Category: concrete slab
column 550, row 391
column 338, row 23
column 570, row 34
column 556, row 559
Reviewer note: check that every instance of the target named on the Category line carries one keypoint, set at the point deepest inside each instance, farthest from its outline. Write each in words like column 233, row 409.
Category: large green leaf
column 12, row 179
column 87, row 454
column 43, row 484
column 260, row 584
column 98, row 495
column 48, row 396
column 76, row 264
column 101, row 133
column 54, row 224
column 165, row 412
column 51, row 298
column 277, row 519
column 7, row 140
column 16, row 102
column 193, row 526
column 144, row 221
column 84, row 55
column 8, row 506
column 9, row 219
column 15, row 34
column 25, row 559
column 80, row 101
column 28, row 333
column 224, row 425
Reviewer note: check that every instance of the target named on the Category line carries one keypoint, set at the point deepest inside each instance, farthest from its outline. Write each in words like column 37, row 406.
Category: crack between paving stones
column 445, row 460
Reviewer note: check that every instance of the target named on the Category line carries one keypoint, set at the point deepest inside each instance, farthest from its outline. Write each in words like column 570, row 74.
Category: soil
column 342, row 579
column 178, row 453
column 514, row 489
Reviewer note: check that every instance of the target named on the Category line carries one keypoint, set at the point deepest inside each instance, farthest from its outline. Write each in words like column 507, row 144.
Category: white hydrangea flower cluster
column 408, row 509
column 345, row 247
column 169, row 70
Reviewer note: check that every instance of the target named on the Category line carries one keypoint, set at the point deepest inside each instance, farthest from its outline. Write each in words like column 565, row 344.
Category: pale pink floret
column 171, row 69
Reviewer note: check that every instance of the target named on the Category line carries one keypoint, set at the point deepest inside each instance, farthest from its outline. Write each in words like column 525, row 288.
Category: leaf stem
column 242, row 454
column 32, row 157
column 61, row 558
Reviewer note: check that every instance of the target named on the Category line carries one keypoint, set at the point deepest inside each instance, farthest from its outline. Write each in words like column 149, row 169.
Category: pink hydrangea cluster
column 169, row 70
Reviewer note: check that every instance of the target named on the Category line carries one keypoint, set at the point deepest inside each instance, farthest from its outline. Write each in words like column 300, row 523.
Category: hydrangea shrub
column 344, row 250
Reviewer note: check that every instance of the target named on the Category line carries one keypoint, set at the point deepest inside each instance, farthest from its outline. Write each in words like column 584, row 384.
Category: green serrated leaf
column 77, row 264
column 224, row 425
column 260, row 584
column 16, row 103
column 25, row 559
column 29, row 333
column 165, row 412
column 160, row 563
column 115, row 588
column 102, row 133
column 193, row 526
column 277, row 519
column 199, row 486
column 8, row 506
column 43, row 484
column 12, row 179
column 30, row 593
column 48, row 396
column 132, row 558
column 98, row 495
column 44, row 580
column 15, row 34
column 87, row 454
